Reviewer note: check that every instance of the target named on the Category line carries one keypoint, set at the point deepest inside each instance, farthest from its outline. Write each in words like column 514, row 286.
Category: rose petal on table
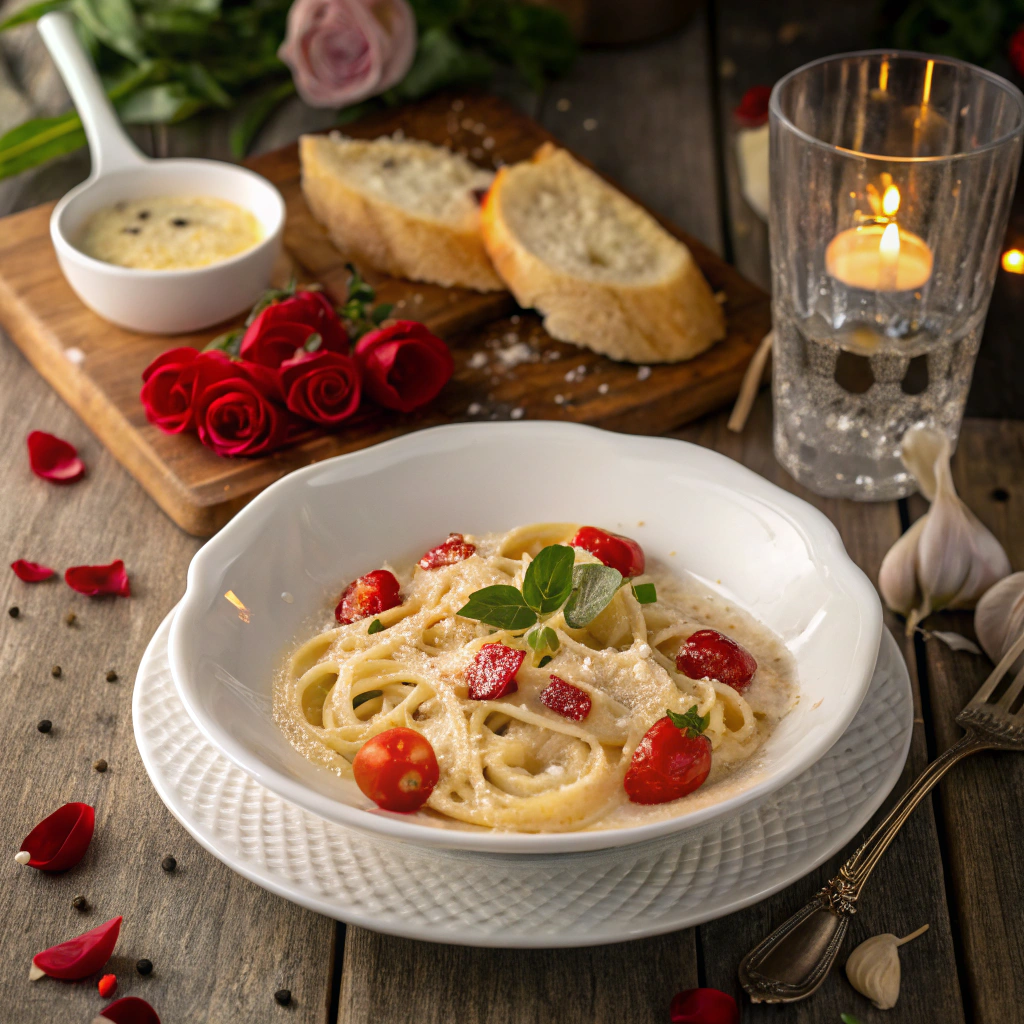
column 704, row 1006
column 54, row 459
column 81, row 956
column 31, row 572
column 60, row 840
column 97, row 580
column 128, row 1010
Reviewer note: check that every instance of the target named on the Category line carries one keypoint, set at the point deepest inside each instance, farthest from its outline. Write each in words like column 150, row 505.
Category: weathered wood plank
column 907, row 889
column 983, row 798
column 400, row 981
column 220, row 945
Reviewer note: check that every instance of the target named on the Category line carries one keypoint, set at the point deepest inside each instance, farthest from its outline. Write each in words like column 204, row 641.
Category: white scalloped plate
column 482, row 899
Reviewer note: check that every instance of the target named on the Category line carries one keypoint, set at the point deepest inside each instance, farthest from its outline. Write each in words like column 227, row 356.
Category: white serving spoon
column 152, row 301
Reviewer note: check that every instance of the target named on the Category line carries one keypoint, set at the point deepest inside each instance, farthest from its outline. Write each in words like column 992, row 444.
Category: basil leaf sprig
column 551, row 583
column 692, row 724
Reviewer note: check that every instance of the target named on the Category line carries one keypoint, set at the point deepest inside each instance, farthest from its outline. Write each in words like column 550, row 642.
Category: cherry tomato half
column 668, row 763
column 708, row 654
column 622, row 553
column 371, row 594
column 455, row 549
column 396, row 769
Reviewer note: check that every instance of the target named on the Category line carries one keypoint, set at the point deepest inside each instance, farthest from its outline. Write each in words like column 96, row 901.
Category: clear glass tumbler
column 891, row 180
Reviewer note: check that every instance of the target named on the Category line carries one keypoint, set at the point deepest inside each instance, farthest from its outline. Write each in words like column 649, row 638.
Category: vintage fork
column 794, row 960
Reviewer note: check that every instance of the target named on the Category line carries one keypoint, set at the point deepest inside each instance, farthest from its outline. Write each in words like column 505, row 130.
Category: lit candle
column 880, row 256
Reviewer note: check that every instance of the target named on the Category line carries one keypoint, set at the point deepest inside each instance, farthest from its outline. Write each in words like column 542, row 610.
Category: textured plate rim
column 593, row 937
column 818, row 531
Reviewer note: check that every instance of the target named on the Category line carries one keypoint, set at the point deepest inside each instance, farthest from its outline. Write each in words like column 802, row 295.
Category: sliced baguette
column 602, row 271
column 405, row 207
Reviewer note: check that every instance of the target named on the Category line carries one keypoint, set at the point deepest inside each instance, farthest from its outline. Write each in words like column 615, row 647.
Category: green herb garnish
column 593, row 587
column 645, row 593
column 848, row 1018
column 543, row 661
column 541, row 640
column 691, row 723
column 362, row 698
column 548, row 579
column 502, row 606
column 375, row 627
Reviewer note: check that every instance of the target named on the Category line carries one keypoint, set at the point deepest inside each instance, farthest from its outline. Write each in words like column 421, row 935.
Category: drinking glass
column 892, row 175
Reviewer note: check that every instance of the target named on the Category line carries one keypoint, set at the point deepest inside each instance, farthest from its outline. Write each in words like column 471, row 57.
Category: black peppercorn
column 111, row 676
column 144, row 966
column 168, row 863
column 100, row 765
column 1000, row 494
column 70, row 618
column 45, row 725
column 129, row 231
column 179, row 222
column 283, row 996
column 56, row 672
column 14, row 611
column 143, row 214
column 80, row 903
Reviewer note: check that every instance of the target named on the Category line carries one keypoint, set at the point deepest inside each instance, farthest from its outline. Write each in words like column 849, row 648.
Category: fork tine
column 1009, row 698
column 989, row 686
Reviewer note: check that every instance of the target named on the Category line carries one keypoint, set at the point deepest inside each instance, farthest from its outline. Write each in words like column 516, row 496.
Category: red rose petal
column 31, row 572
column 566, row 700
column 96, row 580
column 60, row 840
column 130, row 1010
column 493, row 672
column 82, row 956
column 54, row 459
column 704, row 1006
column 752, row 110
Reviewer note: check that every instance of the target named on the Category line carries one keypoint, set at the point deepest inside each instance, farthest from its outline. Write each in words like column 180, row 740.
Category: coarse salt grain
column 517, row 412
column 643, row 373
column 515, row 354
column 475, row 408
column 477, row 361
column 602, row 389
column 563, row 105
column 23, row 856
column 590, row 124
column 559, row 399
column 74, row 355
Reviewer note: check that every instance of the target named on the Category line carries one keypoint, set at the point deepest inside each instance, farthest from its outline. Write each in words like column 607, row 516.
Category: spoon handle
column 109, row 145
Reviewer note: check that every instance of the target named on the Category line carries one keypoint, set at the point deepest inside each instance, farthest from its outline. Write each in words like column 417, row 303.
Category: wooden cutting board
column 507, row 366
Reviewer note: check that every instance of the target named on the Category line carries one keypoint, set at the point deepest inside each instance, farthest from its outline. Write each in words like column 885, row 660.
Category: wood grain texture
column 220, row 945
column 907, row 888
column 201, row 491
column 983, row 798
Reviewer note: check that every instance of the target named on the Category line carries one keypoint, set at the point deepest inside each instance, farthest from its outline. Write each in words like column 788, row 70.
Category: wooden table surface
column 220, row 945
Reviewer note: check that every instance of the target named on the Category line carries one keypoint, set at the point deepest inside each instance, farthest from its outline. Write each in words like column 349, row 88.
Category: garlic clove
column 897, row 577
column 999, row 618
column 921, row 450
column 874, row 968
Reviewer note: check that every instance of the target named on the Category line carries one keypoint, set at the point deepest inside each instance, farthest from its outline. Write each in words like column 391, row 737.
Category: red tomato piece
column 397, row 770
column 622, row 553
column 107, row 985
column 709, row 654
column 371, row 594
column 493, row 672
column 566, row 700
column 455, row 549
column 668, row 763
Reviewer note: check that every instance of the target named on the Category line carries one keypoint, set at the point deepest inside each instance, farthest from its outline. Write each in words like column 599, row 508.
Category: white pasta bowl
column 254, row 588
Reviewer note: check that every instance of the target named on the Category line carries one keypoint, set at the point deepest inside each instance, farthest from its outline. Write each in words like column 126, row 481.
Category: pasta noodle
column 513, row 763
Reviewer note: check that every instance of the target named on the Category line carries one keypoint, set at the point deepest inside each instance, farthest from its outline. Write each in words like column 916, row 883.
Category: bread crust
column 374, row 232
column 669, row 320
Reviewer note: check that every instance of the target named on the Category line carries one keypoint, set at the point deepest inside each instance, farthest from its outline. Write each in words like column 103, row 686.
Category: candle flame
column 1013, row 261
column 889, row 246
column 883, row 76
column 891, row 201
column 927, row 92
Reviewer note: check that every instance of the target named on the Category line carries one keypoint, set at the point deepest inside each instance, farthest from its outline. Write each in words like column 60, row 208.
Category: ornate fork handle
column 794, row 959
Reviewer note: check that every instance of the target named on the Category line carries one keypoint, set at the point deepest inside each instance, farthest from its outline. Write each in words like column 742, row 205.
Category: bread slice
column 405, row 207
column 601, row 270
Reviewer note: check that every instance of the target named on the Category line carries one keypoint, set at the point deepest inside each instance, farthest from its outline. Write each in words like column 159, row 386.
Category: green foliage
column 502, row 606
column 548, row 578
column 222, row 54
column 593, row 587
column 691, row 723
column 974, row 30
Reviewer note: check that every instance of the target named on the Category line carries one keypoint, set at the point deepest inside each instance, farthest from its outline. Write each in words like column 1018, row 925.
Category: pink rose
column 344, row 51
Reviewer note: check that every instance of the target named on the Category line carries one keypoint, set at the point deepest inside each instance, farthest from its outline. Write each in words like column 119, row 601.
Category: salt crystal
column 559, row 399
column 23, row 856
column 515, row 318
column 475, row 408
column 581, row 370
column 75, row 356
column 515, row 354
column 287, row 598
column 643, row 373
column 517, row 412
column 590, row 124
column 477, row 361
column 602, row 389
column 563, row 105
column 488, row 143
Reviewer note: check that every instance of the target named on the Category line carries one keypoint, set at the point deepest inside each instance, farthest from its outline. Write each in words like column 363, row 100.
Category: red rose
column 404, row 366
column 321, row 386
column 752, row 110
column 166, row 397
column 234, row 409
column 281, row 329
column 1016, row 50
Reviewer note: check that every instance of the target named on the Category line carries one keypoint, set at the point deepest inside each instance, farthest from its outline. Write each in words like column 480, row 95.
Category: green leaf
column 691, row 722
column 313, row 342
column 375, row 627
column 593, row 587
column 548, row 579
column 39, row 140
column 31, row 13
column 543, row 661
column 440, row 61
column 362, row 698
column 502, row 606
column 848, row 1018
column 382, row 312
column 542, row 639
column 230, row 343
column 257, row 115
column 645, row 593
column 166, row 103
column 201, row 83
column 112, row 22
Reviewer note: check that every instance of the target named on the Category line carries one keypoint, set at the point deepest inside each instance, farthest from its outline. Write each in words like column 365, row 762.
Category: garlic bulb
column 874, row 968
column 948, row 558
column 999, row 618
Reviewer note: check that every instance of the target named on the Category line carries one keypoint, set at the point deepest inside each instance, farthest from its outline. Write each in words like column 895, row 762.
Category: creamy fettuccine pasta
column 548, row 749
